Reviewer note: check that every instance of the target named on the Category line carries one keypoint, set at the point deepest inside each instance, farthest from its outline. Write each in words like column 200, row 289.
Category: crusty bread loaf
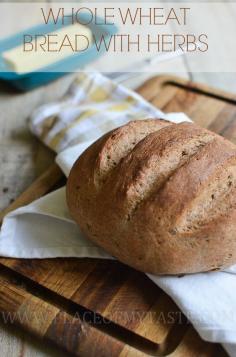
column 158, row 196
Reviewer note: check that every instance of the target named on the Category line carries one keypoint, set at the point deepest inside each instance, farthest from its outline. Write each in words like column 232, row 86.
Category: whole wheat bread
column 158, row 196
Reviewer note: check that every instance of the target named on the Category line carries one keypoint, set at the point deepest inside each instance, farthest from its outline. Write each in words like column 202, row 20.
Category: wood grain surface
column 23, row 158
column 92, row 307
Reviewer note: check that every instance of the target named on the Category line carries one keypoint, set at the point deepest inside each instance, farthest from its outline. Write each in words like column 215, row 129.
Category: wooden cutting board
column 99, row 308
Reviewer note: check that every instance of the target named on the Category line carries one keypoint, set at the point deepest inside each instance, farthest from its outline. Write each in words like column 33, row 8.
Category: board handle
column 42, row 185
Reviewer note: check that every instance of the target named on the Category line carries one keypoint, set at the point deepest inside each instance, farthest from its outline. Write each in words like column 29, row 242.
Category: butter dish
column 29, row 80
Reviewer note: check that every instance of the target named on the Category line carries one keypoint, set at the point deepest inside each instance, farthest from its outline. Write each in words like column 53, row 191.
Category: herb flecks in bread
column 158, row 196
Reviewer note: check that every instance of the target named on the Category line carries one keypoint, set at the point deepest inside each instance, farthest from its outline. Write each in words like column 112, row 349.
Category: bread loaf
column 158, row 196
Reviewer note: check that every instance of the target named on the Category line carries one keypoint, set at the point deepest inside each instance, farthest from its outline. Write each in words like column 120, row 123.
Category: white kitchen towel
column 44, row 229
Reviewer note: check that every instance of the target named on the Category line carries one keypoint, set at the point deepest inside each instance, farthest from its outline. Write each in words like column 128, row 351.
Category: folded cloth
column 93, row 106
column 44, row 228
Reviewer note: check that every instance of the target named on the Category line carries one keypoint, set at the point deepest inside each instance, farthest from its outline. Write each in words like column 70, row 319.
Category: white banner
column 132, row 36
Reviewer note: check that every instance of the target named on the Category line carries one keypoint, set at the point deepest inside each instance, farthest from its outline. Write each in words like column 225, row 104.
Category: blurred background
column 23, row 158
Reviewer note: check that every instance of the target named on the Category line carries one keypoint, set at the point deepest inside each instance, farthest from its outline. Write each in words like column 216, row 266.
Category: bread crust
column 158, row 196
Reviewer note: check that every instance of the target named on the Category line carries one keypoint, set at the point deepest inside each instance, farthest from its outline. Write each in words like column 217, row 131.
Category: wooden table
column 22, row 159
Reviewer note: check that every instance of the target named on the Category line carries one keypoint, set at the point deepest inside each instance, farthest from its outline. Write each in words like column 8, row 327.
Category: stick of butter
column 39, row 50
